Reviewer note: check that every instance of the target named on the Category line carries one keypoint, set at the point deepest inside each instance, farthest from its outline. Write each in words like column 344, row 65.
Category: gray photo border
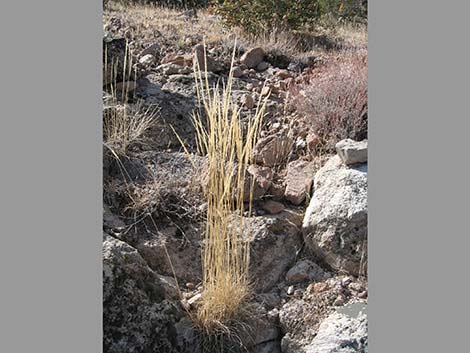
column 51, row 192
column 50, row 142
column 418, row 177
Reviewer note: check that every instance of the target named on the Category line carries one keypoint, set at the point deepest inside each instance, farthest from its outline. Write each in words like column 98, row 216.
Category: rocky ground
column 308, row 230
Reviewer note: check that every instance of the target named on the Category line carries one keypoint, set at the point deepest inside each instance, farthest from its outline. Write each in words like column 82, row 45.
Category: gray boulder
column 351, row 151
column 273, row 149
column 253, row 57
column 298, row 181
column 275, row 239
column 305, row 270
column 136, row 315
column 335, row 223
column 339, row 333
column 204, row 60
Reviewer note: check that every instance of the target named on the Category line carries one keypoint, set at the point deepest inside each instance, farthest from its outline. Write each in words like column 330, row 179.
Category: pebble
column 237, row 71
column 290, row 290
column 262, row 66
column 339, row 301
column 248, row 101
column 147, row 59
column 363, row 294
column 355, row 286
column 346, row 281
column 190, row 285
column 265, row 91
column 320, row 287
column 193, row 301
column 283, row 74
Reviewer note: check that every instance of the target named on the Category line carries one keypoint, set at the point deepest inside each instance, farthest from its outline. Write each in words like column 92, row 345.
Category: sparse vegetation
column 332, row 102
column 260, row 16
column 202, row 169
column 123, row 124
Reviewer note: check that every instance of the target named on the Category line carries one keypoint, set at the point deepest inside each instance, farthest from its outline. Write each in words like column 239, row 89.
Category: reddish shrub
column 332, row 100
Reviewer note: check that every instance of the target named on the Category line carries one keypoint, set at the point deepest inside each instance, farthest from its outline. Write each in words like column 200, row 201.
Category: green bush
column 256, row 16
column 179, row 4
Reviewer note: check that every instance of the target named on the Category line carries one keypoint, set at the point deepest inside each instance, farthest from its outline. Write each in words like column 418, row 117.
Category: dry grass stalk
column 228, row 143
column 124, row 124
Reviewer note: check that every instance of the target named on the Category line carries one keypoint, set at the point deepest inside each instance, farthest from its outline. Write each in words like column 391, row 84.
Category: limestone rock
column 298, row 181
column 147, row 59
column 304, row 270
column 136, row 315
column 335, row 223
column 351, row 151
column 274, row 242
column 261, row 178
column 340, row 333
column 204, row 62
column 252, row 57
column 273, row 149
column 248, row 101
column 237, row 72
column 262, row 66
column 179, row 60
column 173, row 69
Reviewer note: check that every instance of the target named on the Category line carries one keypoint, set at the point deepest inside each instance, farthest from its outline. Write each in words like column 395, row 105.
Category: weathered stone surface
column 170, row 286
column 294, row 318
column 237, row 71
column 283, row 74
column 267, row 347
column 335, row 223
column 204, row 62
column 185, row 261
column 351, row 151
column 248, row 101
column 273, row 149
column 298, row 181
column 273, row 207
column 263, row 328
column 147, row 59
column 173, row 69
column 274, row 242
column 136, row 315
column 179, row 60
column 260, row 178
column 153, row 49
column 340, row 334
column 252, row 57
column 262, row 66
column 305, row 270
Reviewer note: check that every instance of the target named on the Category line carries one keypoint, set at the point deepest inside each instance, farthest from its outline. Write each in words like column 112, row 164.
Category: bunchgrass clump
column 228, row 142
column 123, row 124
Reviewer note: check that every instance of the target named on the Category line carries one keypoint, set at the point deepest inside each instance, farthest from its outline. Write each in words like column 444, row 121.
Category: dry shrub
column 228, row 143
column 332, row 102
